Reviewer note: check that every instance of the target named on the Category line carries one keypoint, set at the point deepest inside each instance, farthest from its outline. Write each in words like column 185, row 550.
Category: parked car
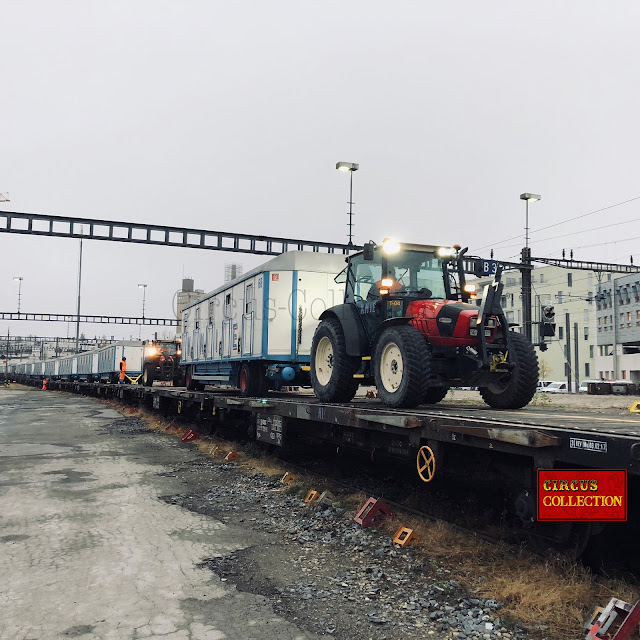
column 584, row 385
column 555, row 387
column 543, row 383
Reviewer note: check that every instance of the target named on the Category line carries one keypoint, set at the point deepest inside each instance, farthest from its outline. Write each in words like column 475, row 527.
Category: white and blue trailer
column 108, row 365
column 255, row 332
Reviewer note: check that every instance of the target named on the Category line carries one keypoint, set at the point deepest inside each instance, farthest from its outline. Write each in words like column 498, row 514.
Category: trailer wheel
column 147, row 376
column 401, row 367
column 249, row 381
column 331, row 368
column 518, row 389
column 193, row 385
column 435, row 394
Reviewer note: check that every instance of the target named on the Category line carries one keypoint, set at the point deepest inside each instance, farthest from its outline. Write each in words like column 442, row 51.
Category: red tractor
column 408, row 327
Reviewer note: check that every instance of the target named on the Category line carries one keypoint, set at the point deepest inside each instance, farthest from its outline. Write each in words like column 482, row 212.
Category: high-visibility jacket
column 123, row 368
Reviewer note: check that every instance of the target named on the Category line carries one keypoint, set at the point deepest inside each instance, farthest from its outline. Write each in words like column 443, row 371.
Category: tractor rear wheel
column 401, row 367
column 331, row 368
column 435, row 394
column 518, row 389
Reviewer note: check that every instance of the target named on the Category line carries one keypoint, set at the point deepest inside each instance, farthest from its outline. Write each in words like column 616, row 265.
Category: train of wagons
column 397, row 316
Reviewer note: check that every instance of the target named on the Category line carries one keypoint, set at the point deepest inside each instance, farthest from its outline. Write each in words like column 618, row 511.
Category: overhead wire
column 578, row 217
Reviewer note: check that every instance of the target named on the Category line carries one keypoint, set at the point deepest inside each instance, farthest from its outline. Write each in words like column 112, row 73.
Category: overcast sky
column 232, row 115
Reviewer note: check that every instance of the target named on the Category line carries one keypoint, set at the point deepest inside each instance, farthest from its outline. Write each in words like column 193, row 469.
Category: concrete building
column 570, row 293
column 185, row 297
column 618, row 328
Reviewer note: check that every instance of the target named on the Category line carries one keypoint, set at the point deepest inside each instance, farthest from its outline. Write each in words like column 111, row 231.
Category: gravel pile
column 339, row 579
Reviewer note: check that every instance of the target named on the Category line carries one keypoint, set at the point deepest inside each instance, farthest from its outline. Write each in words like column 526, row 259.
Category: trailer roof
column 331, row 263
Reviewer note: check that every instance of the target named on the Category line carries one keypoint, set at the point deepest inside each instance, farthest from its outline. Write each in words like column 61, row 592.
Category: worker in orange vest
column 123, row 369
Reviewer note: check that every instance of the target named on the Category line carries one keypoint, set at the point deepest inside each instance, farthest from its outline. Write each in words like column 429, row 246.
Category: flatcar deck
column 548, row 437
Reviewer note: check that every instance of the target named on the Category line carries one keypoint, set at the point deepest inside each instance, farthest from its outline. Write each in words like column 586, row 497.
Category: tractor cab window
column 362, row 277
column 418, row 273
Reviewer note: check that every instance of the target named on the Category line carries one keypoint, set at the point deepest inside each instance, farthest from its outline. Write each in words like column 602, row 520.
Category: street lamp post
column 144, row 300
column 526, row 268
column 350, row 167
column 528, row 197
column 19, row 280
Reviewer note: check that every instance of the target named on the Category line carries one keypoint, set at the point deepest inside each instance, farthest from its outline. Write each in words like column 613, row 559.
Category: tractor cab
column 408, row 326
column 162, row 362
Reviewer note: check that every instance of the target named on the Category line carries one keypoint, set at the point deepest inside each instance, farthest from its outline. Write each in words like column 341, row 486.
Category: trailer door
column 247, row 320
column 226, row 327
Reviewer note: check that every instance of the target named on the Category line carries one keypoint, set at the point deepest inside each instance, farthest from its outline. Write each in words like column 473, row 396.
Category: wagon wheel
column 426, row 464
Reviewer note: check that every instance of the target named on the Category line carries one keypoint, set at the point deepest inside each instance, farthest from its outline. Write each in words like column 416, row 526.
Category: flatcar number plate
column 270, row 429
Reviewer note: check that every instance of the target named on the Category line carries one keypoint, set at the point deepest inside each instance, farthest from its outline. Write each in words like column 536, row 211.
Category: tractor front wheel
column 331, row 368
column 401, row 367
column 517, row 390
column 147, row 375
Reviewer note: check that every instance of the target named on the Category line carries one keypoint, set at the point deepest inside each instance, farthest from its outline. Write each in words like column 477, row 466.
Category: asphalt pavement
column 88, row 549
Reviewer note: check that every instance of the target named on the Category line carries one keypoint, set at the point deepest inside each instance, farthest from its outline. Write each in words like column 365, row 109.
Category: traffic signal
column 548, row 320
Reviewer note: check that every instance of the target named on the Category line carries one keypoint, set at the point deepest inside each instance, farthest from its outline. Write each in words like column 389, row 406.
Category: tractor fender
column 389, row 322
column 351, row 322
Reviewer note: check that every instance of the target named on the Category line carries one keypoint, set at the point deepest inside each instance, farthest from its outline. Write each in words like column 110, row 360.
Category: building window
column 628, row 318
column 559, row 296
column 601, row 376
column 591, row 351
column 624, row 374
column 560, row 333
column 586, row 333
column 509, row 315
column 587, row 370
column 569, row 279
column 541, row 277
column 585, row 315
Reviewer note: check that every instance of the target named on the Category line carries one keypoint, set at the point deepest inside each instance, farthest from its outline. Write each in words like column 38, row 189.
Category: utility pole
column 615, row 330
column 576, row 357
column 6, row 362
column 567, row 322
column 526, row 292
column 79, row 284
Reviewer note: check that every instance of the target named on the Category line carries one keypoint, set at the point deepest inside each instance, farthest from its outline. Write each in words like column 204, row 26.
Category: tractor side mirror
column 369, row 250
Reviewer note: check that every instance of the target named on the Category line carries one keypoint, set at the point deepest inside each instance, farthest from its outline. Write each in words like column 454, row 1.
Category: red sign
column 582, row 494
column 275, row 276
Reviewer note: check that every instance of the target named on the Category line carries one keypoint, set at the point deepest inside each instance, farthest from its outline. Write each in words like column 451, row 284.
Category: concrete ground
column 87, row 548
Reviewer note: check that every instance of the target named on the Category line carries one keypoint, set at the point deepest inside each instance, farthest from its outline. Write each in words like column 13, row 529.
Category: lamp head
column 347, row 166
column 530, row 197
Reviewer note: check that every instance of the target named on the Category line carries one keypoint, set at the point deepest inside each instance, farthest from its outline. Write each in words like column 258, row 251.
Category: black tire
column 435, row 394
column 249, row 381
column 193, row 385
column 520, row 388
column 147, row 375
column 401, row 367
column 332, row 372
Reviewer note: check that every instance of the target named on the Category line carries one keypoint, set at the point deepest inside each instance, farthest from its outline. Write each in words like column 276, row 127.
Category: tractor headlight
column 152, row 351
column 445, row 252
column 179, row 352
column 390, row 246
column 490, row 323
column 385, row 283
column 470, row 288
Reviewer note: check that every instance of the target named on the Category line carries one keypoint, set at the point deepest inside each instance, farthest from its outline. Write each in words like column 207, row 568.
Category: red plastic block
column 190, row 436
column 373, row 511
column 171, row 425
